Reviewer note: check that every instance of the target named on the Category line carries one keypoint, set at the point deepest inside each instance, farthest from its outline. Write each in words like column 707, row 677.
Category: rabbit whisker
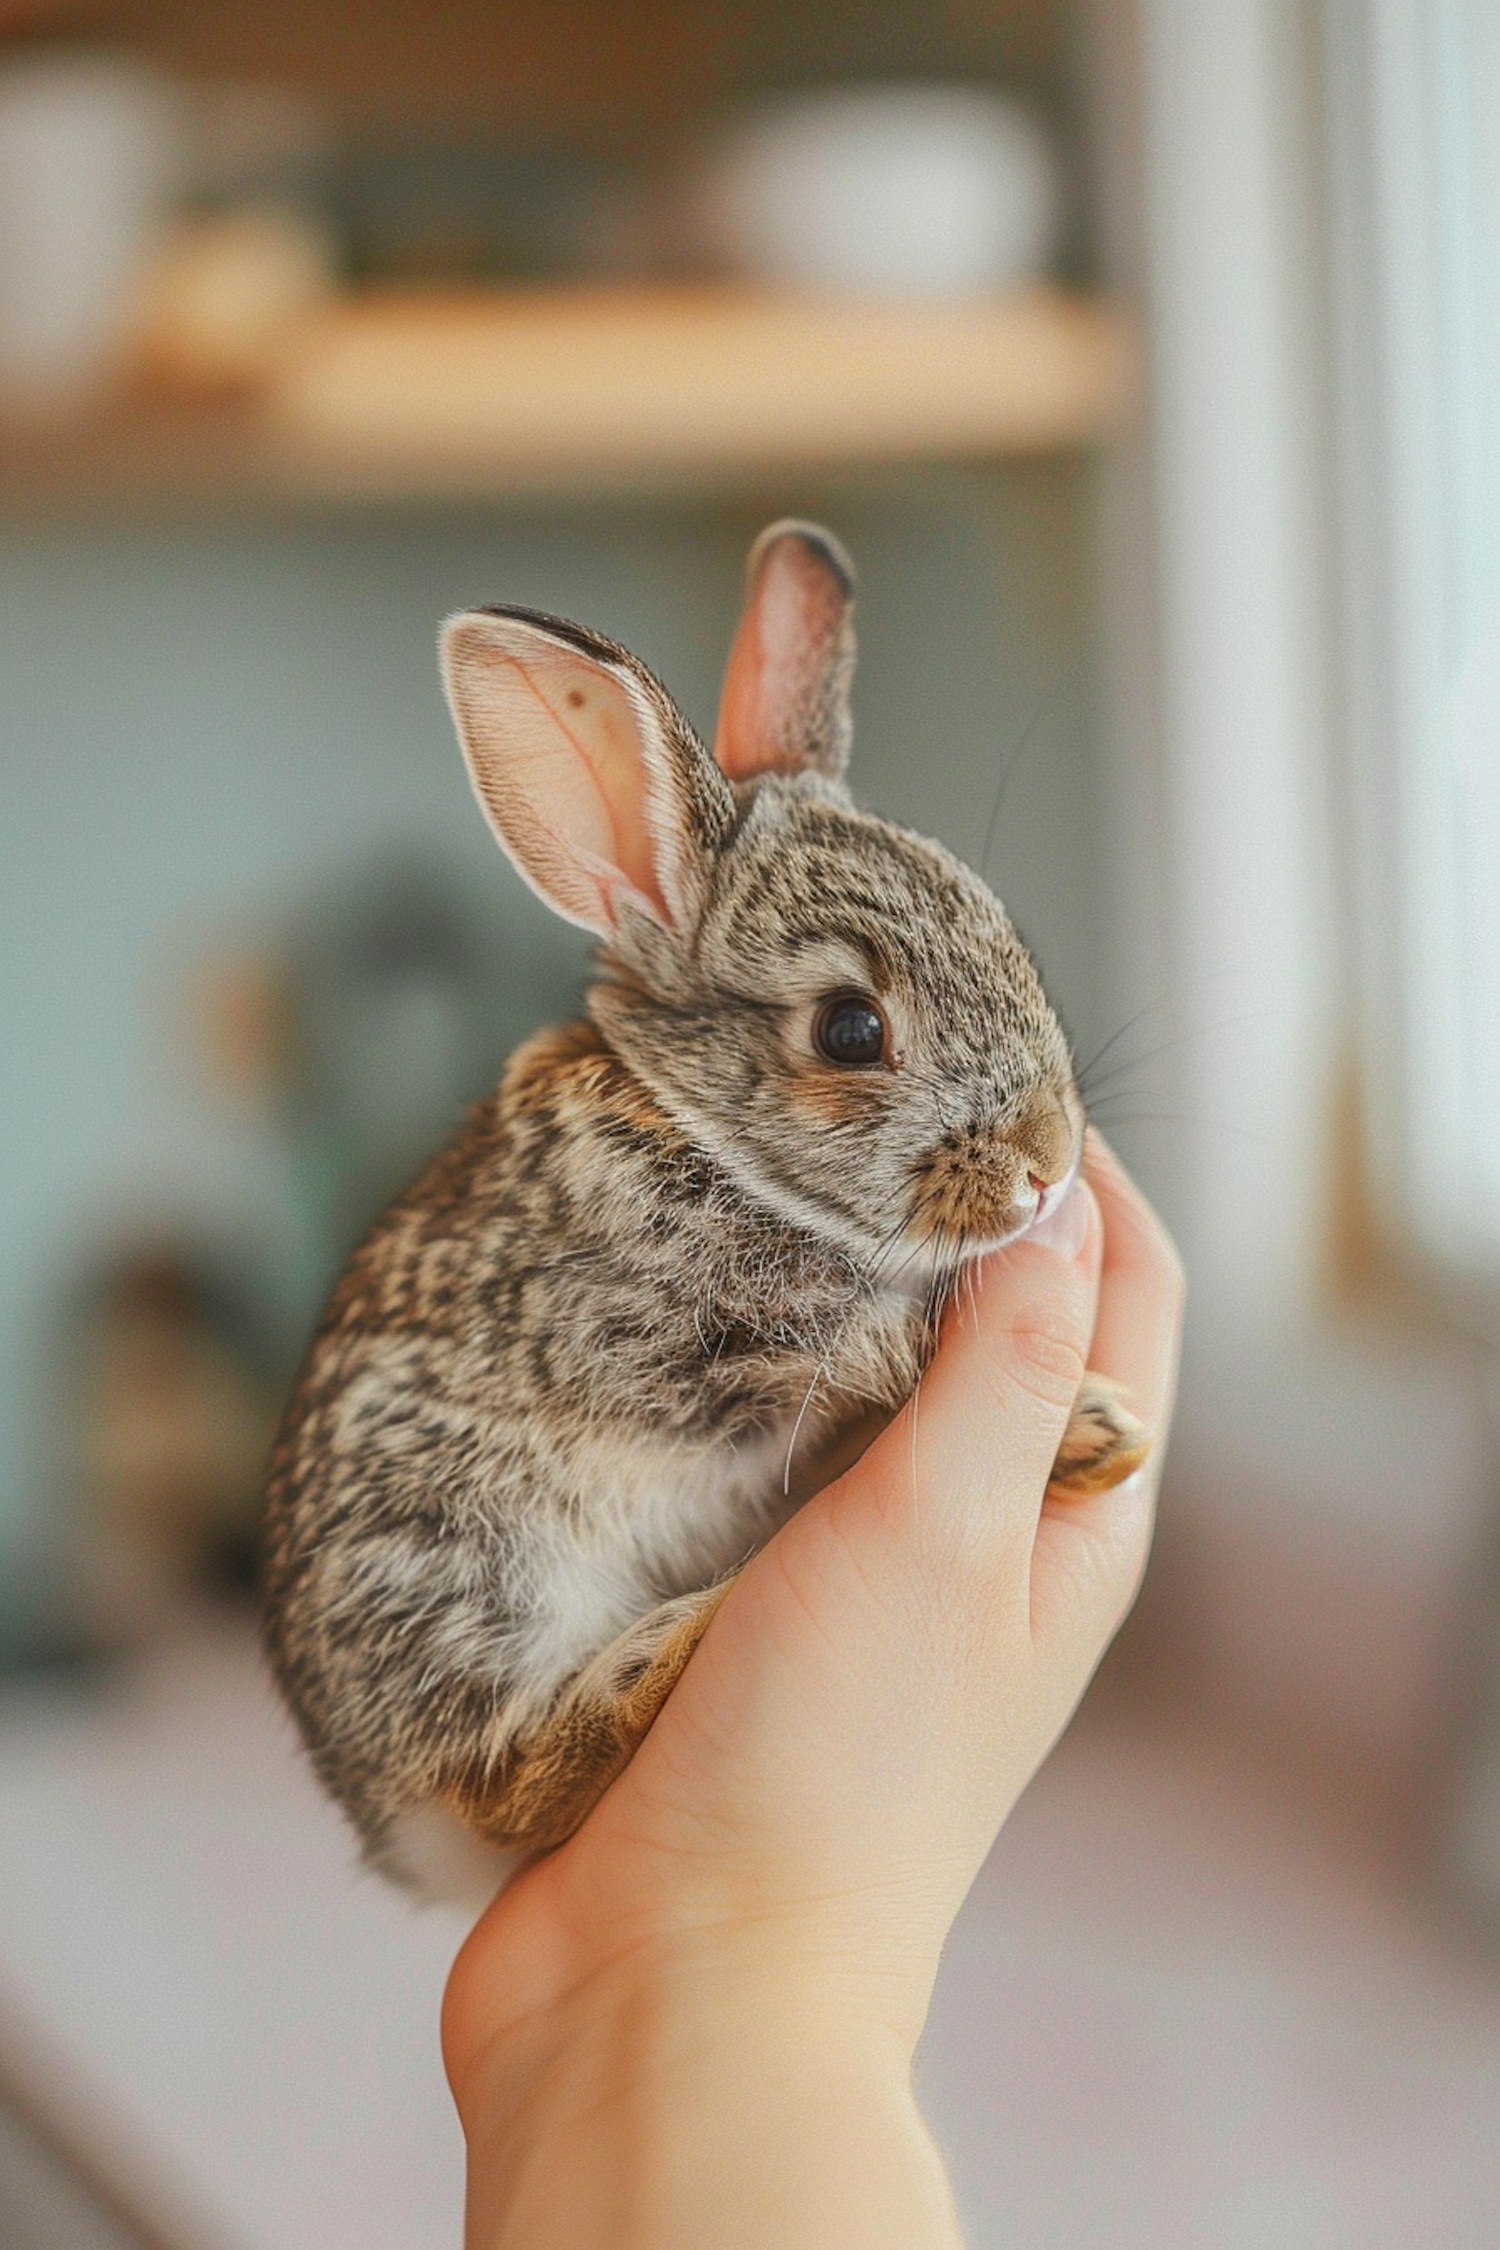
column 1186, row 1117
column 1083, row 1070
column 886, row 1248
column 1024, row 742
column 916, row 1408
column 1088, row 1086
column 786, row 1474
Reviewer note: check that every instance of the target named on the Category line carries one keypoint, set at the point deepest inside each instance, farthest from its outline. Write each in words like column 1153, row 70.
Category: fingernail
column 1065, row 1230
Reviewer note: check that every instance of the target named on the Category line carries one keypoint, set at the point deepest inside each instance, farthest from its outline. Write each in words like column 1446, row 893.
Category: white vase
column 86, row 163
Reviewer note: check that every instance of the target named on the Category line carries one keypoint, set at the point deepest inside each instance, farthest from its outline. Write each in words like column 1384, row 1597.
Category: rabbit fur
column 680, row 1263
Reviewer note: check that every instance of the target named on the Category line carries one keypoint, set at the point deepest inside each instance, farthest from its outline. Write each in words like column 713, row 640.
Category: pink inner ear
column 588, row 782
column 554, row 745
column 785, row 642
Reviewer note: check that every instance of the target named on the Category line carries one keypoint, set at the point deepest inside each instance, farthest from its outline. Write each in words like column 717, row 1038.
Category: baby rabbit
column 684, row 1259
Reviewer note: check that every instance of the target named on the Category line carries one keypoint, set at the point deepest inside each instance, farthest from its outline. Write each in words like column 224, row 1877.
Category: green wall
column 199, row 724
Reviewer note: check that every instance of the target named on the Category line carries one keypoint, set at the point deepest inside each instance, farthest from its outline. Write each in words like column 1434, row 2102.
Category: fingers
column 967, row 1462
column 1138, row 1328
column 1089, row 1554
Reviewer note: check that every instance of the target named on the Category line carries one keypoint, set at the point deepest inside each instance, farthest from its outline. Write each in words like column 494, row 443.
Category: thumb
column 962, row 1471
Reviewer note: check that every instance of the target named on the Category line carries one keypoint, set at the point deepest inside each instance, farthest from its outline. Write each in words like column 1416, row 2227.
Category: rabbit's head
column 834, row 1008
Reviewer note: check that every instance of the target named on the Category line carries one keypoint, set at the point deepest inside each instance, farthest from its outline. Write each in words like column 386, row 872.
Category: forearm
column 701, row 2102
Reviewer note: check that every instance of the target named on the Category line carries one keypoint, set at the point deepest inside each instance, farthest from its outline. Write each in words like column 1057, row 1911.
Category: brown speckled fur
column 584, row 1367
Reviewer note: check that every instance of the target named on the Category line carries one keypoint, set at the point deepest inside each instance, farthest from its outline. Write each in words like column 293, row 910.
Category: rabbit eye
column 850, row 1030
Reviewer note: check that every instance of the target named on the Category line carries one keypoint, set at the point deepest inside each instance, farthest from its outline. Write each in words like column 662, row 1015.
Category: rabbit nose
column 1046, row 1139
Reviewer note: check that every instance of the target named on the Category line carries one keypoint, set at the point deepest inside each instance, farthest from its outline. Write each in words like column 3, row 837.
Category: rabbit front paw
column 1103, row 1444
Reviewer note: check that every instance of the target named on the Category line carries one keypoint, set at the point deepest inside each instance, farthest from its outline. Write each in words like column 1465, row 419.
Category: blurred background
column 1145, row 355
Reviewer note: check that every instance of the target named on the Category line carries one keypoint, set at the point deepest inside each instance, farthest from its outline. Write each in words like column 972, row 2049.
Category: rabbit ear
column 785, row 706
column 590, row 776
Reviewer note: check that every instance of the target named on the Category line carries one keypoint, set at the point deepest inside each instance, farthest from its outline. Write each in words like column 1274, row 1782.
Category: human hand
column 791, row 1842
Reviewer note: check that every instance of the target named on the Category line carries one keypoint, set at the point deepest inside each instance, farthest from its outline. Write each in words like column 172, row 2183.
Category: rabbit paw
column 560, row 1773
column 1103, row 1444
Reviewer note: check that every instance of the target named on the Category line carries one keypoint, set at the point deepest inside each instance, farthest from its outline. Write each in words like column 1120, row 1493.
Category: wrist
column 722, row 2085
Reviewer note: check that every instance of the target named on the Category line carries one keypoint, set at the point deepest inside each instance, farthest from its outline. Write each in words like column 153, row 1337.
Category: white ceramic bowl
column 893, row 191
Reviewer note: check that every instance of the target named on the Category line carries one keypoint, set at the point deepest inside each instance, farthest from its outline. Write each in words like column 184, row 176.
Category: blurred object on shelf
column 226, row 292
column 175, row 1396
column 251, row 251
column 88, row 144
column 926, row 191
column 433, row 210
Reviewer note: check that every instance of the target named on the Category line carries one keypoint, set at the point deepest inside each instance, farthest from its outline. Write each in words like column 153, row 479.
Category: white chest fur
column 647, row 1522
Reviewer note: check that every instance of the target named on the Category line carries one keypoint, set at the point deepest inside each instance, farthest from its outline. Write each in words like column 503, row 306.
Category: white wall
column 1334, row 1454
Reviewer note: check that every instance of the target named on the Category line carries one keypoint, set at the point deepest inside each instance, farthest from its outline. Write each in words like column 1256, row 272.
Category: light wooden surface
column 562, row 382
column 577, row 391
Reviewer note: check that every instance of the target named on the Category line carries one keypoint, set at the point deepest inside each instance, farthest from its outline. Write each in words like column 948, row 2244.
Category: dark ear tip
column 577, row 637
column 819, row 542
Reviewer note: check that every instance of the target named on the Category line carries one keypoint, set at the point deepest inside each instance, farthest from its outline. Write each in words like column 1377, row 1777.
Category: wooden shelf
column 573, row 391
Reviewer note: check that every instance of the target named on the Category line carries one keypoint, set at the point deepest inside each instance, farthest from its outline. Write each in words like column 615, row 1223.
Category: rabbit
column 683, row 1261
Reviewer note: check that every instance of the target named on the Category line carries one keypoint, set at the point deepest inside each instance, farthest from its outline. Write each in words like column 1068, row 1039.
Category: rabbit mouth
column 942, row 1246
column 942, row 1249
column 985, row 1185
column 1054, row 1193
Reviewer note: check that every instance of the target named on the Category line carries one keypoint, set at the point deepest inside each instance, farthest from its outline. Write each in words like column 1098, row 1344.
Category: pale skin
column 695, row 2022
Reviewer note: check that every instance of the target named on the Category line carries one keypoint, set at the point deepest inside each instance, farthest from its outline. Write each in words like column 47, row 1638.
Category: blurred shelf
column 571, row 392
